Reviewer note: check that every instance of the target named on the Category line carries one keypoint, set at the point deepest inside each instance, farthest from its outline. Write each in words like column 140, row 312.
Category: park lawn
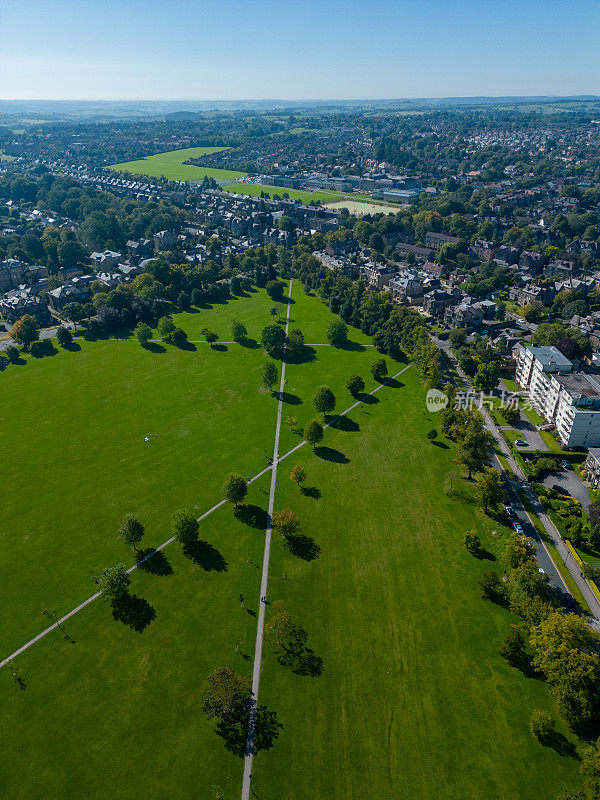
column 413, row 699
column 312, row 317
column 118, row 712
column 252, row 308
column 170, row 165
column 255, row 189
column 73, row 427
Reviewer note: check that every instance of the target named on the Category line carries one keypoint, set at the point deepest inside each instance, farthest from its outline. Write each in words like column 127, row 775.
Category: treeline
column 106, row 221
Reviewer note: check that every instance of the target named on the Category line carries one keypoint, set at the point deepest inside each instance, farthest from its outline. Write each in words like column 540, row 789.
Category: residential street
column 521, row 482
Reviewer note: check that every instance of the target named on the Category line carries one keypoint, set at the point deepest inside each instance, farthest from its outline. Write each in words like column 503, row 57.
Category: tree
column 12, row 353
column 131, row 530
column 238, row 331
column 270, row 375
column 355, row 385
column 511, row 414
column 542, row 726
column 4, row 361
column 491, row 586
column 25, row 331
column 595, row 538
column 473, row 448
column 280, row 627
column 472, row 542
column 286, row 522
column 337, row 333
column 185, row 526
column 76, row 312
column 177, row 337
column 295, row 341
column 489, row 488
column 323, row 400
column 165, row 327
column 113, row 582
column 590, row 769
column 513, row 646
column 487, row 376
column 298, row 474
column 143, row 333
column 275, row 290
column 211, row 337
column 273, row 340
column 234, row 489
column 379, row 369
column 313, row 432
column 64, row 337
column 228, row 694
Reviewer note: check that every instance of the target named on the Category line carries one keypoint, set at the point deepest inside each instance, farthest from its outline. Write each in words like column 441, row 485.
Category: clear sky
column 297, row 49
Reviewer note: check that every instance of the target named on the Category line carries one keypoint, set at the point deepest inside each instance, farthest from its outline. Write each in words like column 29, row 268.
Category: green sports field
column 170, row 165
column 409, row 697
column 255, row 189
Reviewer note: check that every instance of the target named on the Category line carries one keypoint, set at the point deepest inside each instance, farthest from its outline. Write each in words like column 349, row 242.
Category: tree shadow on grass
column 251, row 344
column 189, row 346
column 155, row 563
column 311, row 491
column 303, row 356
column 303, row 547
column 252, row 515
column 331, row 454
column 206, row 556
column 352, row 346
column 344, row 424
column 559, row 742
column 295, row 655
column 133, row 611
column 369, row 399
column 155, row 347
column 290, row 399
column 392, row 383
column 483, row 554
column 443, row 445
column 220, row 347
column 234, row 730
column 74, row 347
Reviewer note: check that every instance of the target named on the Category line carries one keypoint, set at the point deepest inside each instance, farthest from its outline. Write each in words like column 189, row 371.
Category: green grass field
column 412, row 699
column 170, row 165
column 255, row 189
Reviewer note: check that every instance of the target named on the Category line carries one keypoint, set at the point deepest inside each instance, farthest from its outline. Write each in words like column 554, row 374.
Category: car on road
column 521, row 443
column 542, row 570
column 510, row 512
column 565, row 464
column 518, row 527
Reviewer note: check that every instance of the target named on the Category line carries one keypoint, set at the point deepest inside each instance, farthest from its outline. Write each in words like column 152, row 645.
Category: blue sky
column 297, row 49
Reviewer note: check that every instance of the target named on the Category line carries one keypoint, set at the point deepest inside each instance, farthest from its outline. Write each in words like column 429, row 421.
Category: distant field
column 4, row 157
column 254, row 190
column 170, row 165
column 360, row 209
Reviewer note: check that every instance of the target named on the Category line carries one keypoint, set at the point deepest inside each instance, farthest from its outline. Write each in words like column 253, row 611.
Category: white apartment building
column 569, row 400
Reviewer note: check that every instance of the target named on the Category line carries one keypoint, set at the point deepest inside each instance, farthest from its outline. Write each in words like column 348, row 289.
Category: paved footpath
column 263, row 583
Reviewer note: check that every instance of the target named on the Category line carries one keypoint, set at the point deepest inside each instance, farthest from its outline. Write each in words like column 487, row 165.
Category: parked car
column 510, row 512
column 518, row 527
column 565, row 464
column 542, row 570
column 521, row 443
